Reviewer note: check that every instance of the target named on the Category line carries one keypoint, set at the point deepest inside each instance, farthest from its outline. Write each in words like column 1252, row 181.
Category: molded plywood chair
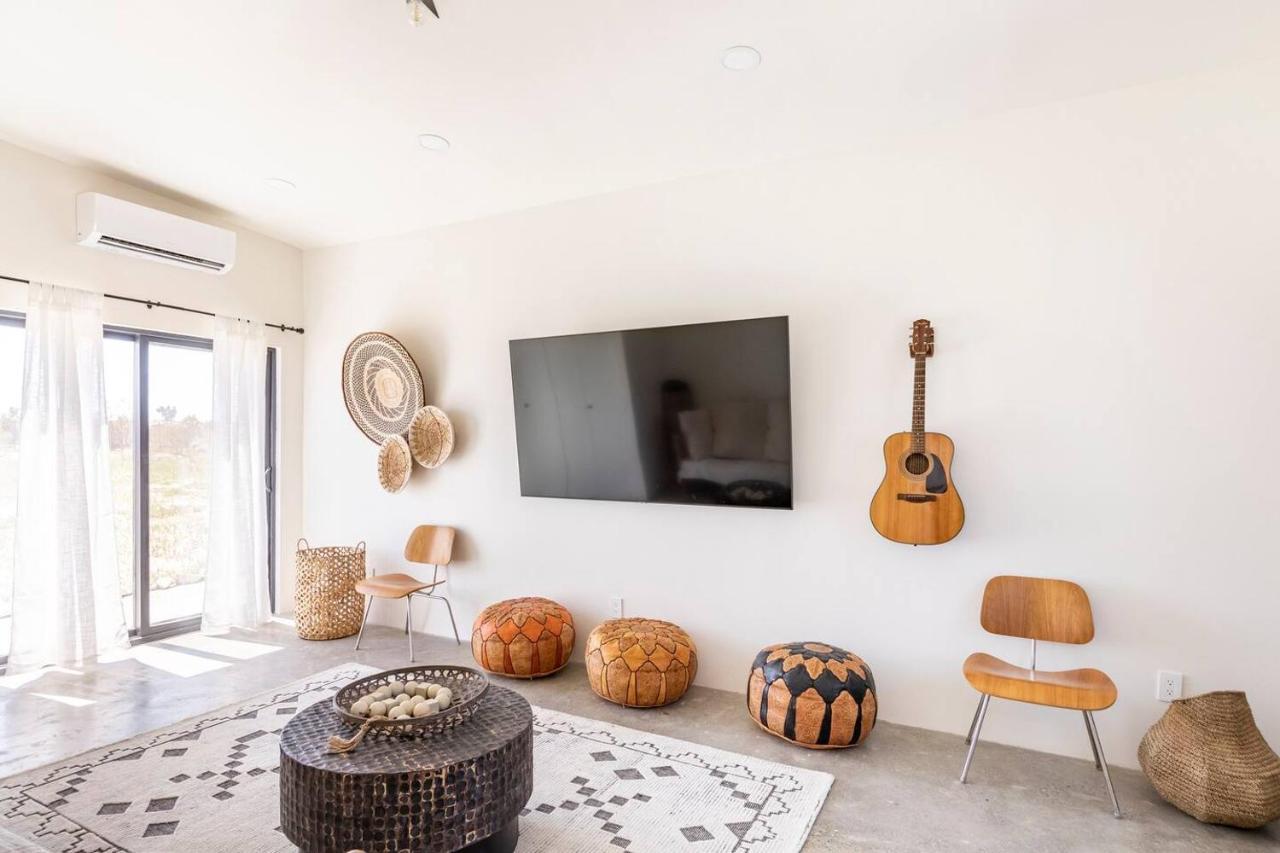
column 430, row 545
column 1039, row 609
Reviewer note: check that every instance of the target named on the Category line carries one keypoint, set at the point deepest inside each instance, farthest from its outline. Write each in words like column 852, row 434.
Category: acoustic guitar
column 917, row 503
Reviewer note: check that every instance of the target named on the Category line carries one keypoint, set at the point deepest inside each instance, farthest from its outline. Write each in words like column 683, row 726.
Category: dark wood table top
column 503, row 716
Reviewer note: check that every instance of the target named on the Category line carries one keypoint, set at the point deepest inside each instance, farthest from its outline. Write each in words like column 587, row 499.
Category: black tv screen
column 676, row 414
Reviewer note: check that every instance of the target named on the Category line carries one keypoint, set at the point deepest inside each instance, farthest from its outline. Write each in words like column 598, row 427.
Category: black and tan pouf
column 812, row 694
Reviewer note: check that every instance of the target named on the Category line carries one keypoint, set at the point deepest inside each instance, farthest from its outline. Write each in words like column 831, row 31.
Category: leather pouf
column 1207, row 757
column 812, row 694
column 523, row 637
column 640, row 663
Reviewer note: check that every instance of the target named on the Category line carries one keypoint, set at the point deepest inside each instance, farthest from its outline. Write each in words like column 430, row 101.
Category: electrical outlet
column 615, row 608
column 1168, row 685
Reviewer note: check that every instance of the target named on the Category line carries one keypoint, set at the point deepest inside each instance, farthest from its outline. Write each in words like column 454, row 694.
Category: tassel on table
column 342, row 745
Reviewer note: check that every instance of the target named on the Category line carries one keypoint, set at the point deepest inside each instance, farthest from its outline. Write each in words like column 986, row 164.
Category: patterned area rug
column 210, row 784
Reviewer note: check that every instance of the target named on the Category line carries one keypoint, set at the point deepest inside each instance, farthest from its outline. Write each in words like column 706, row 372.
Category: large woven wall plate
column 381, row 385
column 394, row 464
column 430, row 437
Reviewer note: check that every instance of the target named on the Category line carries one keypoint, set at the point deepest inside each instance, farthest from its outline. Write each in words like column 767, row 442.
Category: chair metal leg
column 1102, row 759
column 456, row 636
column 364, row 621
column 408, row 622
column 968, row 739
column 977, row 732
column 1097, row 762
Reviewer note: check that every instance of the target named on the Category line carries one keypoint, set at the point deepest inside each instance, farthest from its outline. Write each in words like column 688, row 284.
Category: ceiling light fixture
column 740, row 57
column 433, row 142
column 281, row 184
column 416, row 13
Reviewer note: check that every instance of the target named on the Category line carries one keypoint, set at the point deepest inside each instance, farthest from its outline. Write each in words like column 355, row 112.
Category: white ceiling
column 543, row 101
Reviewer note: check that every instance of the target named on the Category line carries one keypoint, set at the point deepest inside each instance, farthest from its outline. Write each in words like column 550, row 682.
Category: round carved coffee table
column 460, row 790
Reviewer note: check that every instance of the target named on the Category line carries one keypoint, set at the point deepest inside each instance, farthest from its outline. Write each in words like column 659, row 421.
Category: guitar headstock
column 921, row 339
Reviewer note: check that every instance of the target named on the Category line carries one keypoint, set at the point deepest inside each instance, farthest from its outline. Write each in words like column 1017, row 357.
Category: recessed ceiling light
column 740, row 57
column 433, row 142
column 281, row 184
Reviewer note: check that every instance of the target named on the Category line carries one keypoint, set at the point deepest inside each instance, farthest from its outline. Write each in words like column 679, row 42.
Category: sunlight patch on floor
column 73, row 701
column 221, row 646
column 175, row 662
column 22, row 679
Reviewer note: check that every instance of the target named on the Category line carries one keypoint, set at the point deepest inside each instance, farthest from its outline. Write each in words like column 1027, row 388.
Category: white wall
column 37, row 242
column 1102, row 276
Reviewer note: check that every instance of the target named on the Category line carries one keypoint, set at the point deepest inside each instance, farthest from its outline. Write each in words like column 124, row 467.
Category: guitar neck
column 917, row 408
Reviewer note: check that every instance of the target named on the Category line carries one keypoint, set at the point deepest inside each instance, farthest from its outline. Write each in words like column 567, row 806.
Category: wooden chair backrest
column 430, row 544
column 1037, row 609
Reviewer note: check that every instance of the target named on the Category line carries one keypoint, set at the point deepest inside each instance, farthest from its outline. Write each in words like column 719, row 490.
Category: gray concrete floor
column 896, row 792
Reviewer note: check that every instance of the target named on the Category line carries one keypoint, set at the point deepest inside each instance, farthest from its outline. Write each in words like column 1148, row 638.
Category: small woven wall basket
column 1207, row 757
column 325, row 602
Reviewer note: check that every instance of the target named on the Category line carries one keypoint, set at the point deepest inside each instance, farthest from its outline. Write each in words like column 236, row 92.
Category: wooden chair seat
column 1077, row 689
column 394, row 585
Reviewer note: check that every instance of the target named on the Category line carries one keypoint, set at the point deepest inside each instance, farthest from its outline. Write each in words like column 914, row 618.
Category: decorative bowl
column 468, row 686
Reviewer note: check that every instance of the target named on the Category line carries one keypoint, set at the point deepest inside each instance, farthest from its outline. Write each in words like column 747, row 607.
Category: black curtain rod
column 151, row 303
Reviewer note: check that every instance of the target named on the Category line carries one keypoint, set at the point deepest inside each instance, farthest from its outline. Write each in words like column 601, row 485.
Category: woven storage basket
column 325, row 602
column 1207, row 757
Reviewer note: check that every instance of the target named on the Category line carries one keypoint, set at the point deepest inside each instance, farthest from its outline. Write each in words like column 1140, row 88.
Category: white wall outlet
column 1168, row 685
column 615, row 608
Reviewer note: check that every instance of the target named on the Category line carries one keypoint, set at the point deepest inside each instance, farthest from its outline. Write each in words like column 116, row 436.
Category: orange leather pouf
column 640, row 663
column 523, row 637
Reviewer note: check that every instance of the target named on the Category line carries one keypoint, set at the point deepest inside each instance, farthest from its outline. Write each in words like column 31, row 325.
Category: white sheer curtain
column 66, row 590
column 235, row 588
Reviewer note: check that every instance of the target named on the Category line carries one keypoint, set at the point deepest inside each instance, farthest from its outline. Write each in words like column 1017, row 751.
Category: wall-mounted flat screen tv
column 676, row 414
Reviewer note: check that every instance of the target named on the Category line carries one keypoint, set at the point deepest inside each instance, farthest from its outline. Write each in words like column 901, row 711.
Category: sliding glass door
column 177, row 384
column 159, row 412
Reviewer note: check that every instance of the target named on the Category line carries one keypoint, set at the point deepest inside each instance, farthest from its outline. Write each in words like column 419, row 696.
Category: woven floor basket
column 1207, row 757
column 325, row 603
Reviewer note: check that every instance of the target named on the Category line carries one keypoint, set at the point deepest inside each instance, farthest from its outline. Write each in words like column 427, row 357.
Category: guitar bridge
column 917, row 499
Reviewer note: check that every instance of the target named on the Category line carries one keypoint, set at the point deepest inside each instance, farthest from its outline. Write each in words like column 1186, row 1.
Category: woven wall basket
column 381, row 385
column 1207, row 757
column 325, row 602
column 395, row 464
column 431, row 437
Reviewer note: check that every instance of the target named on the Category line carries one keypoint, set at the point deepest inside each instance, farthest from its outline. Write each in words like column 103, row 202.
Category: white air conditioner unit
column 131, row 229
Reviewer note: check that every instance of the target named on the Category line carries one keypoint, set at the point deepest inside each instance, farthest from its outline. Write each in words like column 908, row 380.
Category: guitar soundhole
column 916, row 463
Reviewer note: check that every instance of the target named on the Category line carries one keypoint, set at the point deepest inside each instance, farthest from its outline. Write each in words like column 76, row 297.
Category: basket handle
column 303, row 544
column 360, row 545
